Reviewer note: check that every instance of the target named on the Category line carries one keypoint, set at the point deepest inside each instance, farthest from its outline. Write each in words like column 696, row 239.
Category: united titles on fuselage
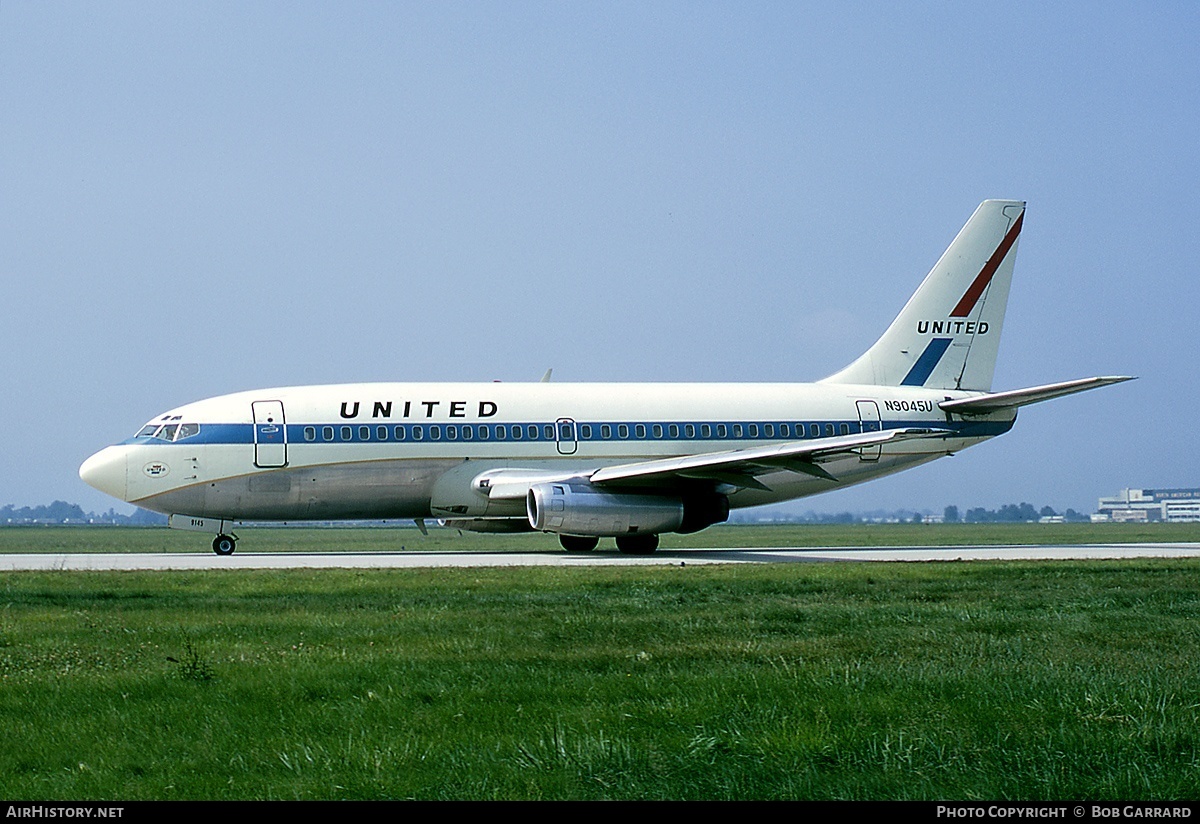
column 413, row 409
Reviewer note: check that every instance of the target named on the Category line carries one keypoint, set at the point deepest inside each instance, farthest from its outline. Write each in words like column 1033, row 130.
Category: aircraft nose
column 106, row 471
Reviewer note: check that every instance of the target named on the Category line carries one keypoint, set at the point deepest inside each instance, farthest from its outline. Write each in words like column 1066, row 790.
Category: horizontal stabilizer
column 1023, row 397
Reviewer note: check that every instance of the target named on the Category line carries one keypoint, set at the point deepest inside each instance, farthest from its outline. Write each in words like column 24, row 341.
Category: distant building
column 1174, row 505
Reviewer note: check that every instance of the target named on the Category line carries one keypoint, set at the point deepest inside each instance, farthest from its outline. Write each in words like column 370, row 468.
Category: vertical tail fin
column 947, row 335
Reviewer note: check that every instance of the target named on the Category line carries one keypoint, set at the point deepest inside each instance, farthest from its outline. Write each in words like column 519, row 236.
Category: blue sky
column 204, row 198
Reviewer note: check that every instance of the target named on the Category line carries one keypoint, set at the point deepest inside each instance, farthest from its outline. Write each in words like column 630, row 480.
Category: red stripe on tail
column 984, row 277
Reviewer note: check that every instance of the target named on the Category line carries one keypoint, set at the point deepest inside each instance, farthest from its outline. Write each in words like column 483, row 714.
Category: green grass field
column 408, row 538
column 982, row 680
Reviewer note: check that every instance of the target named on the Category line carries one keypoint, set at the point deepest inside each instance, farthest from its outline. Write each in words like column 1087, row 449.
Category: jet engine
column 579, row 508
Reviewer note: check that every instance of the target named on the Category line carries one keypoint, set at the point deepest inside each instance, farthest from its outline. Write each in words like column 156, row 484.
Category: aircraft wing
column 740, row 467
column 737, row 467
column 1022, row 397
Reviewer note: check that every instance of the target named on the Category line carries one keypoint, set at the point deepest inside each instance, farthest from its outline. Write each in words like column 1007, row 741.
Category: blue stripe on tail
column 923, row 368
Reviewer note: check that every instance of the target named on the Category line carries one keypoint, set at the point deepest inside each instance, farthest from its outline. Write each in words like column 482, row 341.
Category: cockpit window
column 169, row 432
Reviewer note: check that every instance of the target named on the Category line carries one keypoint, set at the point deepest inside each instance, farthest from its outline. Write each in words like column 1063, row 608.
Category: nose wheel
column 224, row 544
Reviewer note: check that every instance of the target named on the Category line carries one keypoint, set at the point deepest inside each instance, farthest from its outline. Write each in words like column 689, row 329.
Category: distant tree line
column 1010, row 513
column 61, row 512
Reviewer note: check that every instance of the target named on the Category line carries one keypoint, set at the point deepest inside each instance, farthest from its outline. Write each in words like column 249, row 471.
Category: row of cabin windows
column 433, row 432
column 587, row 431
column 706, row 431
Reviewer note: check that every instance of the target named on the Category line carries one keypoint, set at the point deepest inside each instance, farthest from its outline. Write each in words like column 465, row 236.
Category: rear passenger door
column 868, row 420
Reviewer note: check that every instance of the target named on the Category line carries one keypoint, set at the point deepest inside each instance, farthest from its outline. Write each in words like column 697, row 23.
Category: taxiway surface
column 731, row 555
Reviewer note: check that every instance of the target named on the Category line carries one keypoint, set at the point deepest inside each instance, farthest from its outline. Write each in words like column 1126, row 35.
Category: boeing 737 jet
column 602, row 460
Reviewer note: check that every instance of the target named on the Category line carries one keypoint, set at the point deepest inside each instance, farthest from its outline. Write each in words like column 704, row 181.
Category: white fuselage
column 410, row 450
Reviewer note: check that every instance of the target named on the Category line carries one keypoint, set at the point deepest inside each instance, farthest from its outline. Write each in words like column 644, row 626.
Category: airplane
column 586, row 461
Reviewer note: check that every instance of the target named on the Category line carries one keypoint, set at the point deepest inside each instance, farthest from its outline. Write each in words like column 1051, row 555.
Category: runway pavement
column 731, row 555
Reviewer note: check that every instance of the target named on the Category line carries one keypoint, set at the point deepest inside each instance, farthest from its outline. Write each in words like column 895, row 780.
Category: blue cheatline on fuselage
column 718, row 431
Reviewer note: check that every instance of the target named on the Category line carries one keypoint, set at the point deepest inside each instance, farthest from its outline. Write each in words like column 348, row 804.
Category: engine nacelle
column 577, row 508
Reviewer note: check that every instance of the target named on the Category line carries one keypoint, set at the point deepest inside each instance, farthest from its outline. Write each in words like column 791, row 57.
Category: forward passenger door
column 270, row 434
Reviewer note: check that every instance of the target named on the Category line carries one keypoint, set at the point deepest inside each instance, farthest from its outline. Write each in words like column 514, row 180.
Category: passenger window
column 737, row 430
column 468, row 432
column 623, row 430
column 705, row 431
column 452, row 433
column 814, row 430
column 673, row 430
column 347, row 433
column 769, row 430
column 548, row 432
column 658, row 430
column 327, row 433
column 418, row 432
column 484, row 432
column 639, row 430
column 828, row 430
column 399, row 433
column 435, row 432
column 605, row 431
column 381, row 432
column 364, row 433
column 310, row 433
column 501, row 432
column 516, row 432
column 721, row 430
column 753, row 430
column 785, row 431
column 585, row 432
column 845, row 428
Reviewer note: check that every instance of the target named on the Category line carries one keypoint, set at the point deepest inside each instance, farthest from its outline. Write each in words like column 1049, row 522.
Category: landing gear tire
column 224, row 544
column 578, row 543
column 637, row 544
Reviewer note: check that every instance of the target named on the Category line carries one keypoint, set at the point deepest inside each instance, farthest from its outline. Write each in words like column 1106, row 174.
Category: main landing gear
column 224, row 544
column 627, row 544
column 578, row 543
column 637, row 544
